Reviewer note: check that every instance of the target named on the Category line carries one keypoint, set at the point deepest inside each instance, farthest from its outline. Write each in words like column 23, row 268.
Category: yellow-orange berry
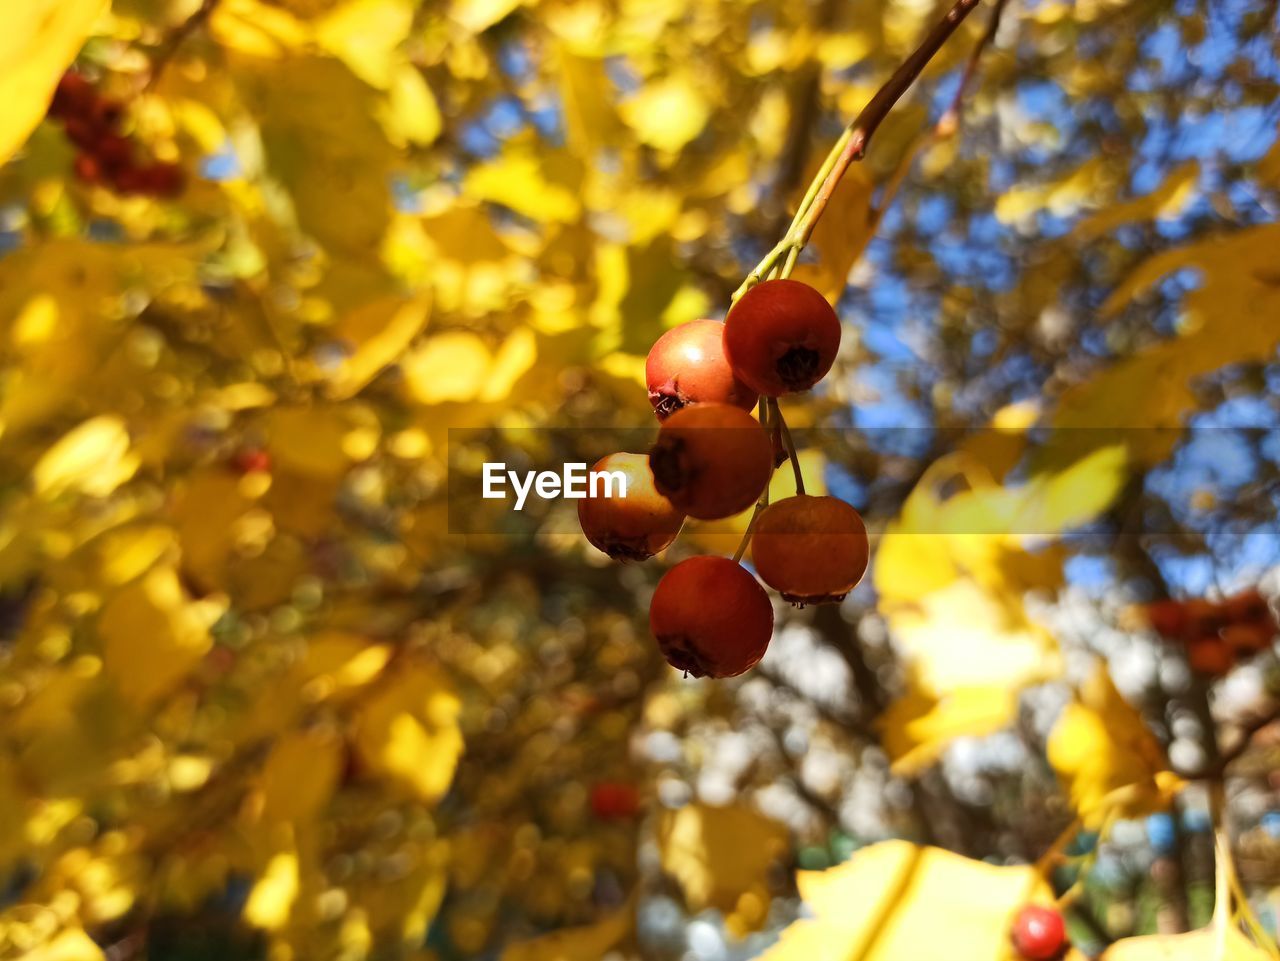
column 634, row 527
column 811, row 550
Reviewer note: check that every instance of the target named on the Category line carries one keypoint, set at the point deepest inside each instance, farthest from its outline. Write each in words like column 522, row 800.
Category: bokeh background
column 259, row 701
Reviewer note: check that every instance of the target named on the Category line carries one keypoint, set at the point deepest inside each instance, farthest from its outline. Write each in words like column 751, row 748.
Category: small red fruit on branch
column 634, row 527
column 1039, row 933
column 687, row 366
column 1215, row 634
column 711, row 460
column 614, row 801
column 711, row 618
column 811, row 550
column 781, row 337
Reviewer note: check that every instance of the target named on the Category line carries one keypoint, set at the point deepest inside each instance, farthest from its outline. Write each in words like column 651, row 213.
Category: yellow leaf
column 722, row 858
column 364, row 34
column 587, row 943
column 300, row 774
column 1166, row 202
column 667, row 113
column 412, row 114
column 515, row 357
column 893, row 900
column 153, row 634
column 1082, row 186
column 450, row 366
column 91, row 459
column 409, row 732
column 338, row 662
column 379, row 333
column 38, row 40
column 589, row 116
column 1206, row 944
column 517, row 180
column 320, row 442
column 918, row 726
column 70, row 944
column 206, row 508
column 1106, row 756
column 476, row 16
column 271, row 899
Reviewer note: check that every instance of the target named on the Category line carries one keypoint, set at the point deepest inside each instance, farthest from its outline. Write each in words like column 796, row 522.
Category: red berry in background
column 687, row 366
column 711, row 460
column 127, row 180
column 1168, row 618
column 711, row 618
column 811, row 550
column 613, row 801
column 1247, row 638
column 252, row 460
column 105, row 113
column 1209, row 655
column 1247, row 606
column 634, row 527
column 781, row 336
column 73, row 95
column 113, row 151
column 81, row 132
column 86, row 168
column 162, row 179
column 1039, row 933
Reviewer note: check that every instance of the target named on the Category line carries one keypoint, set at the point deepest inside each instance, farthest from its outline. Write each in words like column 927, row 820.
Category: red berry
column 252, row 460
column 1247, row 606
column 782, row 336
column 1248, row 638
column 113, row 150
column 87, row 169
column 611, row 800
column 81, row 132
column 1039, row 933
column 1208, row 654
column 811, row 550
column 710, row 617
column 127, row 179
column 1167, row 618
column 106, row 114
column 634, row 527
column 687, row 366
column 163, row 179
column 73, row 95
column 711, row 460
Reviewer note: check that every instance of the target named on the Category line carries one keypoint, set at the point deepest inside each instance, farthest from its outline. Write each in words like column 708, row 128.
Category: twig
column 1225, row 757
column 176, row 38
column 950, row 118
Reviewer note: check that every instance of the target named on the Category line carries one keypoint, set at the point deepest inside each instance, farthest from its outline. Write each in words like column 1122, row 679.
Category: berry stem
column 853, row 142
column 790, row 445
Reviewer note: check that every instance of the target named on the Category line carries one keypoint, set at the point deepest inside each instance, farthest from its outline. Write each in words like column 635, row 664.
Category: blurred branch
column 177, row 36
column 950, row 118
column 1247, row 731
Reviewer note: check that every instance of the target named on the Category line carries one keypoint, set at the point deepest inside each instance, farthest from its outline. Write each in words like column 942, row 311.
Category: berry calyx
column 686, row 365
column 634, row 527
column 711, row 618
column 1039, row 933
column 781, row 336
column 711, row 460
column 811, row 550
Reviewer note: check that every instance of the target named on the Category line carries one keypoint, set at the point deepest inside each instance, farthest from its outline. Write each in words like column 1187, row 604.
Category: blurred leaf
column 378, row 334
column 271, row 899
column 409, row 732
column 1166, row 202
column 92, row 459
column 894, row 900
column 40, row 40
column 1202, row 945
column 722, row 857
column 667, row 113
column 587, row 943
column 1084, row 186
column 300, row 774
column 1107, row 758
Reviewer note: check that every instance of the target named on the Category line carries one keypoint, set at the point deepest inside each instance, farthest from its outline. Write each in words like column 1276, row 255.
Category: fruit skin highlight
column 781, row 337
column 631, row 528
column 811, row 550
column 711, row 460
column 711, row 618
column 1039, row 933
column 686, row 365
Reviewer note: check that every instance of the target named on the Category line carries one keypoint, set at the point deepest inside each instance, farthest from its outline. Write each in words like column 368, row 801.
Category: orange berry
column 634, row 527
column 1168, row 618
column 811, row 550
column 687, row 366
column 1248, row 638
column 1248, row 605
column 1210, row 656
column 781, row 336
column 711, row 618
column 613, row 800
column 86, row 168
column 711, row 460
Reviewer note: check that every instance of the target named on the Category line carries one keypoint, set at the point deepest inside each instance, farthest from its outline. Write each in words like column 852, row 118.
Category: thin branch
column 1247, row 732
column 864, row 126
column 950, row 118
column 176, row 38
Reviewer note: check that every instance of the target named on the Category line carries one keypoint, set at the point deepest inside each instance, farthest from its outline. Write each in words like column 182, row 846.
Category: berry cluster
column 105, row 155
column 1216, row 634
column 712, row 460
